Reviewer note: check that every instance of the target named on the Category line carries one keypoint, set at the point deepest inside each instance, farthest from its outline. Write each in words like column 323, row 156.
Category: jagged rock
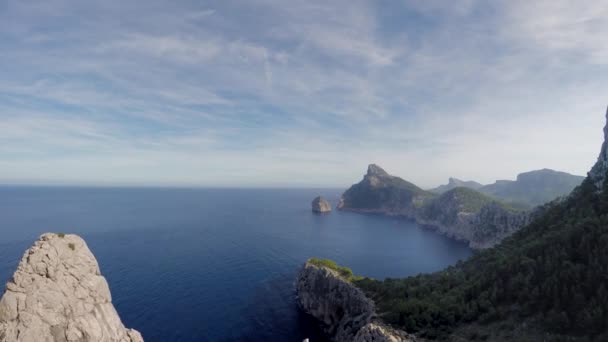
column 375, row 332
column 382, row 193
column 342, row 308
column 598, row 173
column 58, row 294
column 320, row 205
column 460, row 213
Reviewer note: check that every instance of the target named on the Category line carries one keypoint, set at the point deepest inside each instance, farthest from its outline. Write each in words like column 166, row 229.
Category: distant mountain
column 533, row 188
column 456, row 183
column 461, row 213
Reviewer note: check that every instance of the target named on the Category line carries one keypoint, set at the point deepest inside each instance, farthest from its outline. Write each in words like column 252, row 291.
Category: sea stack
column 58, row 294
column 320, row 205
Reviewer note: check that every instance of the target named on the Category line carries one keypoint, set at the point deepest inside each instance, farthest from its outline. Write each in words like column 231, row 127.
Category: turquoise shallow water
column 215, row 264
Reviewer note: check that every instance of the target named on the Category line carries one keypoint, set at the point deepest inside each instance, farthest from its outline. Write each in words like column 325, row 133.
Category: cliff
column 597, row 175
column 468, row 215
column 346, row 314
column 460, row 213
column 547, row 282
column 380, row 192
column 57, row 294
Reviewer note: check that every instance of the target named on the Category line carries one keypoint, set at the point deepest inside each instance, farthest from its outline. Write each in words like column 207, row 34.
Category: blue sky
column 298, row 93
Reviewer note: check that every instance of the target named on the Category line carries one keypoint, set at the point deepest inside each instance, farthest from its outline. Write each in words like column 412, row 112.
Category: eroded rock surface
column 343, row 309
column 320, row 205
column 58, row 294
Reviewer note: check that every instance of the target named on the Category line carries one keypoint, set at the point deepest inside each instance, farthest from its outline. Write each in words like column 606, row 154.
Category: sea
column 215, row 264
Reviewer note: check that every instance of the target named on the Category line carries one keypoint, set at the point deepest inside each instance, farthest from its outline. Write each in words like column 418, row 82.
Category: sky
column 269, row 93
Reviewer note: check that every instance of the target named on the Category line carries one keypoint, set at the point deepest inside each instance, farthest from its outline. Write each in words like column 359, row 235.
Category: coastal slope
column 57, row 294
column 460, row 213
column 547, row 282
column 325, row 292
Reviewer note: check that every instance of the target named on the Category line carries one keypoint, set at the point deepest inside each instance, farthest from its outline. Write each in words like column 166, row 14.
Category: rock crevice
column 344, row 311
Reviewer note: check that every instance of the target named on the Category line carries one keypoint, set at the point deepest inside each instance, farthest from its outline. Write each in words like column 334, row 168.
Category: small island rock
column 320, row 205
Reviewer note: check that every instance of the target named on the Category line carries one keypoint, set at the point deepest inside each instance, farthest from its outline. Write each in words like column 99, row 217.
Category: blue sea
column 215, row 264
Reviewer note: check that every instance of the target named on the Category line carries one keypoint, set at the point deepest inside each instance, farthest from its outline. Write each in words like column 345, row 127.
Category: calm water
column 211, row 264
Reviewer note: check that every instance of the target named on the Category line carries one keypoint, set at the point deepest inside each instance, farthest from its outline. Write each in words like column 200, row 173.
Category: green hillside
column 550, row 278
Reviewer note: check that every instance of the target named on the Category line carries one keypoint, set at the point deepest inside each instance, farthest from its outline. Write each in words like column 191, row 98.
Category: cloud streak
column 264, row 94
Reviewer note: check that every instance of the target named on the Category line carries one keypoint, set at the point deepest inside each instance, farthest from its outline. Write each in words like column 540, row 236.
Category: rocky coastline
column 343, row 310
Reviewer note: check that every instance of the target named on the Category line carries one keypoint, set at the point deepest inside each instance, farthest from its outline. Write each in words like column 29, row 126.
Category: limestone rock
column 341, row 307
column 381, row 193
column 320, row 205
column 374, row 332
column 58, row 294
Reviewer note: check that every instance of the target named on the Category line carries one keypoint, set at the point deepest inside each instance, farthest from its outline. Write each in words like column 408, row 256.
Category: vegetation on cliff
column 343, row 271
column 553, row 275
column 380, row 191
column 533, row 188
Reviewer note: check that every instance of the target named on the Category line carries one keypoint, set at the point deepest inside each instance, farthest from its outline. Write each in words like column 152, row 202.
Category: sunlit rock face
column 344, row 311
column 58, row 294
column 320, row 205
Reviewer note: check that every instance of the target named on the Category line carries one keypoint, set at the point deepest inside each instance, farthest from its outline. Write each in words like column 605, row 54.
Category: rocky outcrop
column 376, row 332
column 382, row 193
column 342, row 308
column 320, row 205
column 460, row 213
column 597, row 175
column 58, row 294
column 467, row 215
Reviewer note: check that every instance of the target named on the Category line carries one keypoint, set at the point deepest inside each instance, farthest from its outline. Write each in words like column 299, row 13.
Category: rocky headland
column 325, row 291
column 460, row 213
column 57, row 294
column 320, row 205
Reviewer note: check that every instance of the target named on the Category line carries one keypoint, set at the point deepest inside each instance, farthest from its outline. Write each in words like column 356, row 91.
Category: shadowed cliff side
column 347, row 315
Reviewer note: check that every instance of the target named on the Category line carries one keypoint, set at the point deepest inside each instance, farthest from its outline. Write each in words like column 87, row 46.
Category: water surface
column 215, row 264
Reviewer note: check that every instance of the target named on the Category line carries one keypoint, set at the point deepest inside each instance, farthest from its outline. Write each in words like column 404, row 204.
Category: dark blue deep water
column 215, row 264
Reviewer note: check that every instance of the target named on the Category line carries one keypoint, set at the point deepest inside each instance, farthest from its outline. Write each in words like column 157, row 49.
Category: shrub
column 344, row 272
column 61, row 235
column 72, row 246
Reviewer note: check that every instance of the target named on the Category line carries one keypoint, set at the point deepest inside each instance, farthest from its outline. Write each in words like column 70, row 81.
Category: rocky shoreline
column 343, row 310
column 447, row 214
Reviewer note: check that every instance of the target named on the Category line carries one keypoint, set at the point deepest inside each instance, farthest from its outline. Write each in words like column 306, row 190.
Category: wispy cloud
column 265, row 93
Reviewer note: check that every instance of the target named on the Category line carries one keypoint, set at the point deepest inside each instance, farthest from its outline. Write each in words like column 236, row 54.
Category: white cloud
column 312, row 91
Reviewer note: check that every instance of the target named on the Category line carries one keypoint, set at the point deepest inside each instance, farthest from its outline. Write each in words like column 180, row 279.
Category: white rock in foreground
column 58, row 294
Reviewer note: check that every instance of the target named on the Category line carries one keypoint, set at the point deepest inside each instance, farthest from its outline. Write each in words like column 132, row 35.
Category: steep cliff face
column 344, row 311
column 380, row 192
column 460, row 213
column 468, row 215
column 58, row 294
column 598, row 173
